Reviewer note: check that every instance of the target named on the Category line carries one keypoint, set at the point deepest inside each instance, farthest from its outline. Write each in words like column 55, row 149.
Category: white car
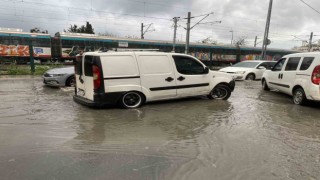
column 248, row 70
column 297, row 75
column 59, row 77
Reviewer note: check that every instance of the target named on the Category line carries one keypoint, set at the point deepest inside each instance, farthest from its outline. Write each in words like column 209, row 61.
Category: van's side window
column 88, row 65
column 307, row 61
column 188, row 66
column 279, row 65
column 292, row 64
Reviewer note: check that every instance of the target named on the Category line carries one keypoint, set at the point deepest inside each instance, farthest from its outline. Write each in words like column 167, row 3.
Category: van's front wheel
column 131, row 100
column 221, row 91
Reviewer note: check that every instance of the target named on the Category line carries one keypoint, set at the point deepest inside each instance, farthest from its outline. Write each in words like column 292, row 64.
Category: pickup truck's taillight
column 96, row 77
column 315, row 78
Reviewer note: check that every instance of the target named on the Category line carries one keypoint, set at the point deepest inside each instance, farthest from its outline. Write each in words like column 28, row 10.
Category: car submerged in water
column 248, row 70
column 59, row 77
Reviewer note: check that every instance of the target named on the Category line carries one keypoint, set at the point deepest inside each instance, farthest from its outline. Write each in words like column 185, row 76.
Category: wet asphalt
column 254, row 135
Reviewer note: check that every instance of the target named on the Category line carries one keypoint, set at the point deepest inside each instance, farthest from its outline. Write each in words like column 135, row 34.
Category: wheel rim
column 72, row 81
column 131, row 100
column 264, row 84
column 250, row 77
column 219, row 93
column 298, row 97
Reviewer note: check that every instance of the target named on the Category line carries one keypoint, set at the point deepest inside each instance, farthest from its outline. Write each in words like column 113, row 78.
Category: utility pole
column 266, row 32
column 310, row 41
column 31, row 56
column 231, row 36
column 189, row 28
column 255, row 41
column 142, row 29
column 188, row 33
column 175, row 20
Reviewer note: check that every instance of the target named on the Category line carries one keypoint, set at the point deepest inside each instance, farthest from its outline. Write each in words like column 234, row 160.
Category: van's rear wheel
column 299, row 97
column 131, row 100
column 221, row 91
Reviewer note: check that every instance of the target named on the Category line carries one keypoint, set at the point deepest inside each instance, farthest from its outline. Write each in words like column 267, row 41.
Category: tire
column 251, row 77
column 265, row 85
column 131, row 100
column 299, row 97
column 221, row 91
column 71, row 81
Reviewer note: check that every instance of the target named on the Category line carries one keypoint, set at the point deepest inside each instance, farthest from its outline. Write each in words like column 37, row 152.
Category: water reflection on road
column 253, row 135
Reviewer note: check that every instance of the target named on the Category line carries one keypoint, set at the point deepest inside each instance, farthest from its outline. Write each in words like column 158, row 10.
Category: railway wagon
column 14, row 46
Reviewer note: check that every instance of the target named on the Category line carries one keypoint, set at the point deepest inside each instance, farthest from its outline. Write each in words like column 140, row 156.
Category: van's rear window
column 88, row 60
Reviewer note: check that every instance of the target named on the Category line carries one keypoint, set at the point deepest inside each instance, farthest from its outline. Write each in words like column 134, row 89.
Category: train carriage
column 14, row 45
column 65, row 46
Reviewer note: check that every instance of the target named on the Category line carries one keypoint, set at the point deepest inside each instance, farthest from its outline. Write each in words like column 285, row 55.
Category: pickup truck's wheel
column 299, row 97
column 265, row 85
column 251, row 77
column 131, row 100
column 221, row 91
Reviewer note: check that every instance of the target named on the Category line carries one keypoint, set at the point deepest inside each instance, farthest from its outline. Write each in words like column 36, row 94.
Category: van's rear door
column 78, row 76
column 157, row 76
column 87, row 77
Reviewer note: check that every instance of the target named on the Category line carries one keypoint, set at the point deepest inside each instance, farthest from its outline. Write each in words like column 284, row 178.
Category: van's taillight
column 96, row 77
column 315, row 78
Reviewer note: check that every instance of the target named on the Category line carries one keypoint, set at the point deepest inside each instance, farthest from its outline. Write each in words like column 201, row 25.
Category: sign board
column 123, row 44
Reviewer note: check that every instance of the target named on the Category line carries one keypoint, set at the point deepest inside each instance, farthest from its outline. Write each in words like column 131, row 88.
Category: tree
column 208, row 40
column 82, row 29
column 38, row 30
column 241, row 41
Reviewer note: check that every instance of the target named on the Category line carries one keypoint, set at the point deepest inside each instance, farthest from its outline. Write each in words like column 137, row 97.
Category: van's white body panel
column 153, row 74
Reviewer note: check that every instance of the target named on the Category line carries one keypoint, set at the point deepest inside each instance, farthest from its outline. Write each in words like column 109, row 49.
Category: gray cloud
column 123, row 17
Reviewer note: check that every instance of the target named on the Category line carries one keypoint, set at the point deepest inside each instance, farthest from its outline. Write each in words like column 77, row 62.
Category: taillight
column 315, row 78
column 96, row 77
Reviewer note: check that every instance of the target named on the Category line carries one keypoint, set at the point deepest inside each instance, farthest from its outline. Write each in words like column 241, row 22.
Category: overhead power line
column 310, row 6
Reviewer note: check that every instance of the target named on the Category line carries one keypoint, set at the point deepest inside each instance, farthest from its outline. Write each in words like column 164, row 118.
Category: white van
column 297, row 75
column 134, row 78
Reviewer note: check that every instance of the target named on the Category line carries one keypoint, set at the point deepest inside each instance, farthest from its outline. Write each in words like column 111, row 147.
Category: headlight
column 240, row 72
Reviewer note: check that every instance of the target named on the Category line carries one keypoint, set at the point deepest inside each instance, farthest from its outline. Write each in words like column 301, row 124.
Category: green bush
column 26, row 70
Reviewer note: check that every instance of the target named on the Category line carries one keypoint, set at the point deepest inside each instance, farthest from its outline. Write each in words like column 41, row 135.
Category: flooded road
column 253, row 135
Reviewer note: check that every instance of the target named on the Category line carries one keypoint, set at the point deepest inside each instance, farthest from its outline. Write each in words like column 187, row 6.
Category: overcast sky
column 292, row 21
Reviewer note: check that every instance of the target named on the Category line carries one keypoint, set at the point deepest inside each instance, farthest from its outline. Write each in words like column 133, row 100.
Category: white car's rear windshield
column 246, row 64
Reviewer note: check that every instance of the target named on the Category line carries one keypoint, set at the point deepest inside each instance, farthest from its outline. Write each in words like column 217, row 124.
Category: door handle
column 181, row 78
column 281, row 75
column 169, row 79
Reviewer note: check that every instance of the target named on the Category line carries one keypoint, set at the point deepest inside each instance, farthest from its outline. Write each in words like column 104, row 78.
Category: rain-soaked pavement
column 253, row 135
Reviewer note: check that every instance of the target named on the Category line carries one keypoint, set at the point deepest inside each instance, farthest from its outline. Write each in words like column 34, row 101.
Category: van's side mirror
column 206, row 70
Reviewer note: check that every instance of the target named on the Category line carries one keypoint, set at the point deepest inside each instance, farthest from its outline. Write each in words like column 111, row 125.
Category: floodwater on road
column 254, row 135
